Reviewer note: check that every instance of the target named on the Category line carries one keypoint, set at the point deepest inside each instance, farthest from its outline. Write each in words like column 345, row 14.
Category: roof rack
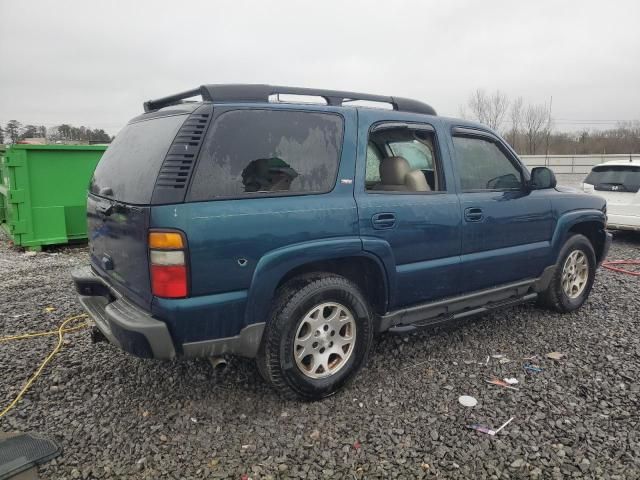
column 261, row 93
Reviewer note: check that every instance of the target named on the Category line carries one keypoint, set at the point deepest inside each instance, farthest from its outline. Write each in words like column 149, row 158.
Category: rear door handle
column 383, row 221
column 473, row 214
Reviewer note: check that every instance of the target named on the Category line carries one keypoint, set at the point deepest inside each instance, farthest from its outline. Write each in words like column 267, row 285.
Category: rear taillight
column 167, row 258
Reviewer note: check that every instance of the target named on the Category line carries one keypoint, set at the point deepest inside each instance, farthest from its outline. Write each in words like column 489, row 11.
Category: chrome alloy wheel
column 575, row 274
column 325, row 340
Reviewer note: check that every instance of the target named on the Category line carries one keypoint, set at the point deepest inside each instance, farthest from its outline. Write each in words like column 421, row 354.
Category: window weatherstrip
column 413, row 126
column 472, row 132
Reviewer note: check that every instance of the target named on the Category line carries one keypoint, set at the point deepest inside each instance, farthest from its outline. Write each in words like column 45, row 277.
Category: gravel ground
column 121, row 417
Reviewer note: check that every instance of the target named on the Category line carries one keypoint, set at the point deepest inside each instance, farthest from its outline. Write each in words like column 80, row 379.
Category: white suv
column 619, row 183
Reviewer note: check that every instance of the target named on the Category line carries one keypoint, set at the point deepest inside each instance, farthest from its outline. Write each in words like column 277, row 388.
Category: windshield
column 128, row 170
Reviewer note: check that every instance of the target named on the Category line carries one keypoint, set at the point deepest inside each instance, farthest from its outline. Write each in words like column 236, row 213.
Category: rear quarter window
column 128, row 170
column 268, row 152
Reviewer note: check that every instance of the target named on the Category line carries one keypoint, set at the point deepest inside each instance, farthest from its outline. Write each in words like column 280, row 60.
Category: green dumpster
column 2, row 209
column 43, row 192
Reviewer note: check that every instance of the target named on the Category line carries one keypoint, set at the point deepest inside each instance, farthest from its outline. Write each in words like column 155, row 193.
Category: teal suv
column 291, row 225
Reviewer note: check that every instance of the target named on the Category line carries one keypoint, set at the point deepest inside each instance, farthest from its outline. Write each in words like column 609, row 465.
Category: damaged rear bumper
column 136, row 331
column 120, row 321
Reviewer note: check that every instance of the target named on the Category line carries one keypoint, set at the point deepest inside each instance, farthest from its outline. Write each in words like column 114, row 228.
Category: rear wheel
column 573, row 278
column 318, row 336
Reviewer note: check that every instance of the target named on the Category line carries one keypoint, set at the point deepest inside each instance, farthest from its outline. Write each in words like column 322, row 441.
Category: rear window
column 623, row 178
column 128, row 170
column 268, row 152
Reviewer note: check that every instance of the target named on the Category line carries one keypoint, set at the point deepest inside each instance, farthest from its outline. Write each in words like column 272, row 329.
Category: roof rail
column 261, row 93
column 176, row 98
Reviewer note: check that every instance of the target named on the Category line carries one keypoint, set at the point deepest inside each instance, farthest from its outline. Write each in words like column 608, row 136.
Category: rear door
column 421, row 229
column 118, row 205
column 506, row 229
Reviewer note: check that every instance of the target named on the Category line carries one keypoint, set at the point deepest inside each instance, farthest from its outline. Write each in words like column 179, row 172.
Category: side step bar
column 464, row 305
column 403, row 329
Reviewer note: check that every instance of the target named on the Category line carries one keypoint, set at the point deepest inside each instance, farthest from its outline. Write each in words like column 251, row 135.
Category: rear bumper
column 623, row 222
column 136, row 331
column 122, row 323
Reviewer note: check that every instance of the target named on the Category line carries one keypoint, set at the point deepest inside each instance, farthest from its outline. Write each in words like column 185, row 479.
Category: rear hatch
column 118, row 207
column 618, row 185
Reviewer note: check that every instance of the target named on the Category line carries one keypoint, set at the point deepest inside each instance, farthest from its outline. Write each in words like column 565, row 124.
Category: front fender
column 274, row 265
column 567, row 221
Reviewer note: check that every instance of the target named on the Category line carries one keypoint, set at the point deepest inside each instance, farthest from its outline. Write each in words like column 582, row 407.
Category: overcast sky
column 93, row 63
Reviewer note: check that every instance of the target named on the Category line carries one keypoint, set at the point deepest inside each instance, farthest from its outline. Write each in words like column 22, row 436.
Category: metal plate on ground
column 22, row 451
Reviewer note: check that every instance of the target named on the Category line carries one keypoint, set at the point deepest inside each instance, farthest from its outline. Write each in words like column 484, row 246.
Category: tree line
column 529, row 128
column 14, row 131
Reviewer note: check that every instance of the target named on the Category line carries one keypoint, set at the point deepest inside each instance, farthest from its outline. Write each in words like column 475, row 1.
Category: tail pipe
column 218, row 364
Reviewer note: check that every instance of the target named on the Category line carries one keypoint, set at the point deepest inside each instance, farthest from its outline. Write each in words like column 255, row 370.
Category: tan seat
column 396, row 175
column 416, row 181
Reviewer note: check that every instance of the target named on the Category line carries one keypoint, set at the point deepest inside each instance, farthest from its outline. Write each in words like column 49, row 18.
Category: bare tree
column 479, row 105
column 498, row 108
column 13, row 130
column 536, row 123
column 516, row 122
column 489, row 109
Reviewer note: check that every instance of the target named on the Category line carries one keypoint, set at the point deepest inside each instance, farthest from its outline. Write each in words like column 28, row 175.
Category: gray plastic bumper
column 121, row 322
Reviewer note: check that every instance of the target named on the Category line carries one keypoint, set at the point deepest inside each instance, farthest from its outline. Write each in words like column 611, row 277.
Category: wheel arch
column 590, row 223
column 366, row 271
column 342, row 256
column 595, row 232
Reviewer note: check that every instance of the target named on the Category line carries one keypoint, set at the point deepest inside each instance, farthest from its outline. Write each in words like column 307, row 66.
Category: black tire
column 554, row 297
column 294, row 300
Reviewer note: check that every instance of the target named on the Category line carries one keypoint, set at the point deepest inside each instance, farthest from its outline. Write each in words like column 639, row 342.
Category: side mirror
column 542, row 177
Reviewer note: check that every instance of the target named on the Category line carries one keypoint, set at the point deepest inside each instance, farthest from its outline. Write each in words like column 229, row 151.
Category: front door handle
column 473, row 214
column 383, row 221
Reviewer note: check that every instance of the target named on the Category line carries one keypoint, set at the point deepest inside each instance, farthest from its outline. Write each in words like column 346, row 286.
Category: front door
column 407, row 206
column 506, row 228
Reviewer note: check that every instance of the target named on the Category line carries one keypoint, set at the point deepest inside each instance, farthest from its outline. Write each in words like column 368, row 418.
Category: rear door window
column 407, row 156
column 268, row 152
column 373, row 164
column 417, row 153
column 128, row 170
column 615, row 178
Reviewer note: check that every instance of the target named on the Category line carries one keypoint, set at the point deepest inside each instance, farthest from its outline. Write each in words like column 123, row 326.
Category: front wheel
column 318, row 337
column 573, row 278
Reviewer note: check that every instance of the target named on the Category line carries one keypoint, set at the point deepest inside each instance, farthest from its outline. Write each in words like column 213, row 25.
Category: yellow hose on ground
column 61, row 331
